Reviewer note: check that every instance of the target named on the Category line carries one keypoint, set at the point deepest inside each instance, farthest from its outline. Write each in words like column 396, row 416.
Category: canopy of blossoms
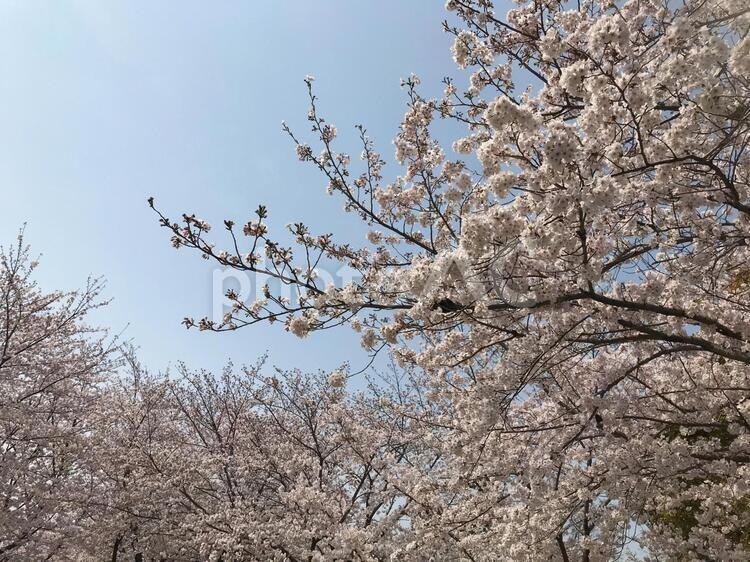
column 564, row 292
column 574, row 287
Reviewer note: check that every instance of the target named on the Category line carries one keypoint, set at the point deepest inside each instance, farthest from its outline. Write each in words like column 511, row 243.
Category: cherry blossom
column 568, row 281
column 50, row 366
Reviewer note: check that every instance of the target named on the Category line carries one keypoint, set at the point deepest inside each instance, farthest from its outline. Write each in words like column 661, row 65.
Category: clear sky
column 105, row 103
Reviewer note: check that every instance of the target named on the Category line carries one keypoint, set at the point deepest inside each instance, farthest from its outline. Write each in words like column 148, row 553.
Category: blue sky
column 105, row 103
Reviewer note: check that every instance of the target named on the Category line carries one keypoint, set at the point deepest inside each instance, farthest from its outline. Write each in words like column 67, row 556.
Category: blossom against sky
column 105, row 104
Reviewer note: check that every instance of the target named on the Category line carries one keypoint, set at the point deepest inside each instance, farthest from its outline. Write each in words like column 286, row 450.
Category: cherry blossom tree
column 245, row 467
column 101, row 460
column 571, row 276
column 50, row 364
